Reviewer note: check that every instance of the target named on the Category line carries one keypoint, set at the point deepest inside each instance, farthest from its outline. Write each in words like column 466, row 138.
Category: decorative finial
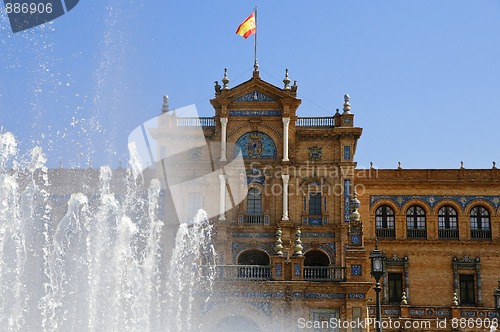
column 404, row 300
column 294, row 86
column 279, row 243
column 494, row 165
column 337, row 113
column 355, row 203
column 455, row 299
column 347, row 106
column 376, row 243
column 297, row 248
column 60, row 163
column 462, row 165
column 225, row 80
column 256, row 66
column 217, row 87
column 371, row 165
column 164, row 108
column 286, row 81
column 399, row 165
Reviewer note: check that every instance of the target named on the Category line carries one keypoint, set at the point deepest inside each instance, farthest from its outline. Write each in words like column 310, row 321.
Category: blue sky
column 423, row 76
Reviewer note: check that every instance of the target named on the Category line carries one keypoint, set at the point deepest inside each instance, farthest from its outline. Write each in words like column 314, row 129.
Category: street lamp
column 378, row 270
column 496, row 295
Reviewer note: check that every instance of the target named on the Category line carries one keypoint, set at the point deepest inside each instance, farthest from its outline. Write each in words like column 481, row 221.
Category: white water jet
column 102, row 266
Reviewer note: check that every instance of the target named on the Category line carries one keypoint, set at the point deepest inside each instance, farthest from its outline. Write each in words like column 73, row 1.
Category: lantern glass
column 377, row 264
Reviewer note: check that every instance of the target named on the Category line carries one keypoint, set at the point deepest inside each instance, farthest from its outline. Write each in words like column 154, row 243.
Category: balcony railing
column 388, row 233
column 242, row 272
column 315, row 122
column 481, row 234
column 196, row 122
column 253, row 219
column 451, row 234
column 324, row 273
column 416, row 233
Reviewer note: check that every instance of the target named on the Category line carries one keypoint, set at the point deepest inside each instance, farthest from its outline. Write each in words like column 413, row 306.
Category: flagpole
column 256, row 65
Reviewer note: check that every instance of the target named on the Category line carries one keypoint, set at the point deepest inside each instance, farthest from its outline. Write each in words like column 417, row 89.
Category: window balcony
column 451, row 234
column 480, row 234
column 388, row 233
column 324, row 273
column 416, row 233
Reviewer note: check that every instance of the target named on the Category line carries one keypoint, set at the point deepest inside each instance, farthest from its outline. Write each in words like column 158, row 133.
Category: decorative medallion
column 315, row 152
column 256, row 145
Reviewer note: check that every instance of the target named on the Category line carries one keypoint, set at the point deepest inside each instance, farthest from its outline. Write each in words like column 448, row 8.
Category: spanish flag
column 248, row 27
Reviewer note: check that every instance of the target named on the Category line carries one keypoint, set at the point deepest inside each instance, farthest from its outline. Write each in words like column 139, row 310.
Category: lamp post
column 378, row 270
column 496, row 295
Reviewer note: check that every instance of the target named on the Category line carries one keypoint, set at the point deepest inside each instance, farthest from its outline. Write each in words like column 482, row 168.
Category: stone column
column 286, row 123
column 285, row 178
column 222, row 197
column 223, row 122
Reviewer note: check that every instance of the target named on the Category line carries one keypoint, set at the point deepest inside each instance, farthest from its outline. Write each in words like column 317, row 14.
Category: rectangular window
column 395, row 287
column 322, row 319
column 315, row 204
column 467, row 289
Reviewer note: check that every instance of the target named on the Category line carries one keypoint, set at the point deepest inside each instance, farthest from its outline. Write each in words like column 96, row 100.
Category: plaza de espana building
column 296, row 250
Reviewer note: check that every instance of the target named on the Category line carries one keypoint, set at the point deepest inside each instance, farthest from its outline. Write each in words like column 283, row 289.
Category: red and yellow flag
column 248, row 27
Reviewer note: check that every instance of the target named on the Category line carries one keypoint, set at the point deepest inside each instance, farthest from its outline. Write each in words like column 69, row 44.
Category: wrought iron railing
column 324, row 273
column 451, row 234
column 315, row 122
column 481, row 234
column 253, row 219
column 416, row 233
column 196, row 122
column 388, row 233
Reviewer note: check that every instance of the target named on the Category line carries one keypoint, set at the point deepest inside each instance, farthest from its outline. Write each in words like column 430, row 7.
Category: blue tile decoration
column 347, row 200
column 347, row 152
column 266, row 219
column 252, row 235
column 391, row 311
column 279, row 270
column 255, row 113
column 306, row 235
column 442, row 313
column 468, row 313
column 279, row 295
column 254, row 96
column 304, row 221
column 356, row 295
column 255, row 145
column 356, row 239
column 296, row 270
column 417, row 312
column 324, row 295
column 432, row 200
column 347, row 120
column 355, row 270
column 240, row 220
column 297, row 295
column 313, row 221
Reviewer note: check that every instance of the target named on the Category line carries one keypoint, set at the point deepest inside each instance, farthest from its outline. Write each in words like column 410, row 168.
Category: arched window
column 385, row 222
column 447, row 223
column 316, row 266
column 254, row 207
column 255, row 265
column 415, row 223
column 480, row 223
